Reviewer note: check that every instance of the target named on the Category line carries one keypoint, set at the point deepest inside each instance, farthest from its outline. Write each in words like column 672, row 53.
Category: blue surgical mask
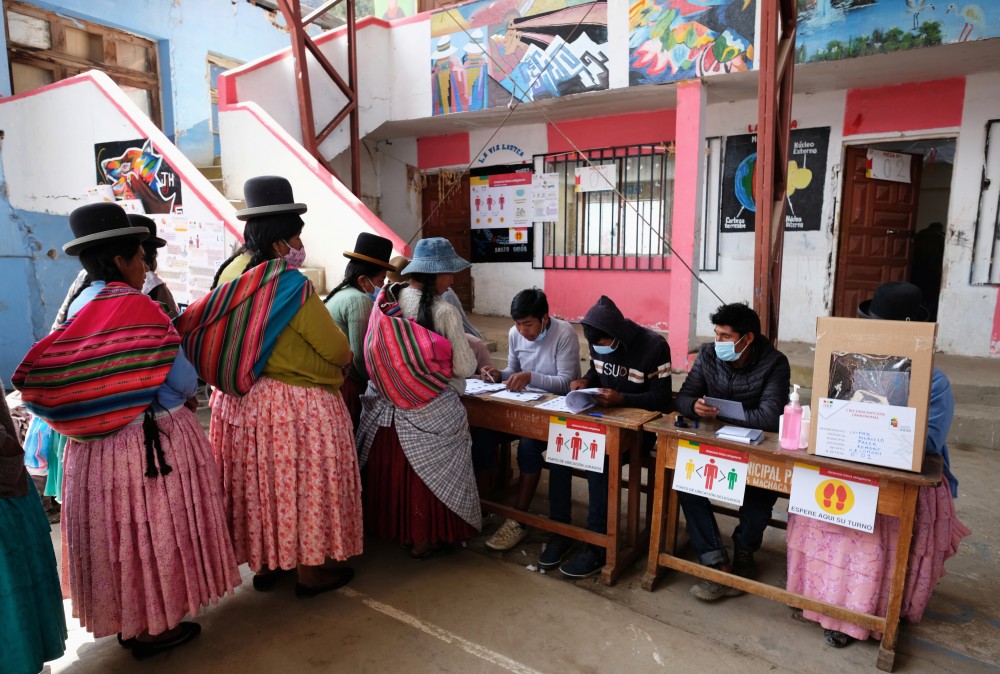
column 726, row 351
column 605, row 350
column 541, row 335
column 374, row 293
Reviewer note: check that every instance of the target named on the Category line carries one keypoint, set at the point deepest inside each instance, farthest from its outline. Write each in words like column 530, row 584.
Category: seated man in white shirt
column 543, row 352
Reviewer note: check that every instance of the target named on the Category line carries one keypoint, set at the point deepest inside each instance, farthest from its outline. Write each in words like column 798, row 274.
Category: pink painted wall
column 614, row 130
column 446, row 150
column 905, row 107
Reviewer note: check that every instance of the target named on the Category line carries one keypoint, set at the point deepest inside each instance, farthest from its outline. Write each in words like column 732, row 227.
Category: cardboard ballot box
column 871, row 389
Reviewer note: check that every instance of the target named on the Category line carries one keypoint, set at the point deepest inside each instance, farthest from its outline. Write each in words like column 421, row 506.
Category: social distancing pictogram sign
column 709, row 471
column 575, row 443
column 834, row 495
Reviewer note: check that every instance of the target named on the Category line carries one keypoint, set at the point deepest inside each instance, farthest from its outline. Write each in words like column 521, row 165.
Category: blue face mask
column 604, row 350
column 374, row 293
column 726, row 351
column 541, row 335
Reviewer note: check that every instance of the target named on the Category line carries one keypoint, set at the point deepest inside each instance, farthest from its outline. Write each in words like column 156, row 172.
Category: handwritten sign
column 713, row 472
column 596, row 178
column 577, row 444
column 834, row 495
column 888, row 166
column 881, row 435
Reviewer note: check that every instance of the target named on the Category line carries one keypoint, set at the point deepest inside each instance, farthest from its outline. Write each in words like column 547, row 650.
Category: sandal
column 431, row 553
column 836, row 639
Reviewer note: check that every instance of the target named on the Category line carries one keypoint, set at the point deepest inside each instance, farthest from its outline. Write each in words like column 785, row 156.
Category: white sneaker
column 507, row 536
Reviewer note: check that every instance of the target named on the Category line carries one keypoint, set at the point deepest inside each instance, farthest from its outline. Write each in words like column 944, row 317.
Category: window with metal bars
column 614, row 218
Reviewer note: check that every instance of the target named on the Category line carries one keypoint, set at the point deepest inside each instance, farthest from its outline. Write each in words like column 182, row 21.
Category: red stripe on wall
column 905, row 107
column 447, row 150
column 613, row 131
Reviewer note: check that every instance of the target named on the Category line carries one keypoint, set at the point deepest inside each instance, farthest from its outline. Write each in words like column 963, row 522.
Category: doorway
column 448, row 211
column 893, row 231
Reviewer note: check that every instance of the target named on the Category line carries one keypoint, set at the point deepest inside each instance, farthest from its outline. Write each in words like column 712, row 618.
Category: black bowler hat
column 372, row 248
column 268, row 195
column 895, row 301
column 97, row 223
column 137, row 220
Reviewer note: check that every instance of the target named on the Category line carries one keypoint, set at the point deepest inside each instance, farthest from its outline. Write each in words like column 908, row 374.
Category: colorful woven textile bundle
column 407, row 363
column 229, row 334
column 101, row 369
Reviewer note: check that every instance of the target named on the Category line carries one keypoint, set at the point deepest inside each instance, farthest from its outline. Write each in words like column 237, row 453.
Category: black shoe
column 345, row 574
column 743, row 564
column 555, row 551
column 126, row 643
column 262, row 582
column 585, row 564
column 142, row 650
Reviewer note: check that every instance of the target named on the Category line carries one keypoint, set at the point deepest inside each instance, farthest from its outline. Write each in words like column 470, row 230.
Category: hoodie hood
column 607, row 317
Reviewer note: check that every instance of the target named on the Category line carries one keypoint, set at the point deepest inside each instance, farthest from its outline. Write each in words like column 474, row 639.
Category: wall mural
column 673, row 40
column 137, row 172
column 829, row 30
column 483, row 54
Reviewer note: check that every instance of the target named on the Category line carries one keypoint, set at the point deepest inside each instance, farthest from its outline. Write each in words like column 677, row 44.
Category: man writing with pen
column 544, row 353
column 631, row 366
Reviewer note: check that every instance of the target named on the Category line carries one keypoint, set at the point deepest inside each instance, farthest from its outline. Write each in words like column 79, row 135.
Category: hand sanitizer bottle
column 792, row 425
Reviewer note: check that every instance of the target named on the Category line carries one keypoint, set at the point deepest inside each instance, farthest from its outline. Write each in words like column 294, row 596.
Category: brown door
column 450, row 218
column 878, row 221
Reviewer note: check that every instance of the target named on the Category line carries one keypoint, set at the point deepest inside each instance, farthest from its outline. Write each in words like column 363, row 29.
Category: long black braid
column 428, row 291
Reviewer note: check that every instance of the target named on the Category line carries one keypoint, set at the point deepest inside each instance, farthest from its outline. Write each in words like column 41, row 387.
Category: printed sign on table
column 873, row 433
column 577, row 444
column 714, row 472
column 834, row 495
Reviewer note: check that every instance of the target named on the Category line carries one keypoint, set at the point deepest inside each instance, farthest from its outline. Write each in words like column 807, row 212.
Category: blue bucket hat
column 435, row 256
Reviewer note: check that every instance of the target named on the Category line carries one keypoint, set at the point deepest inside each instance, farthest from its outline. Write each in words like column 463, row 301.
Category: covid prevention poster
column 577, row 444
column 803, row 194
column 834, row 495
column 713, row 472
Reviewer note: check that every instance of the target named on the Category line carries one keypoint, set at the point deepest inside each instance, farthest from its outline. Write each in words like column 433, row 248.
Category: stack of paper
column 583, row 399
column 748, row 436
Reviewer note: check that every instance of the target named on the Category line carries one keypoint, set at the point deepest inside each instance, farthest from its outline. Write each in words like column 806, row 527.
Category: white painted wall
column 400, row 199
column 964, row 311
column 495, row 285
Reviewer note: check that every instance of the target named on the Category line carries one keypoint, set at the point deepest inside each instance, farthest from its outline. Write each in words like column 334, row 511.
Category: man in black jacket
column 742, row 366
column 631, row 364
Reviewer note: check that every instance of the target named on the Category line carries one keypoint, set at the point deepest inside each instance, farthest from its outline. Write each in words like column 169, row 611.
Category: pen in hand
column 487, row 376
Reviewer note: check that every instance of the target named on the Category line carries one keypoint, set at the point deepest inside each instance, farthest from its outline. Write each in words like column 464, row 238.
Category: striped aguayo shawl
column 229, row 334
column 407, row 363
column 98, row 371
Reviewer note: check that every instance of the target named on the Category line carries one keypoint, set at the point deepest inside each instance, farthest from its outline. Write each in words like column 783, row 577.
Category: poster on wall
column 502, row 200
column 193, row 253
column 806, row 181
column 485, row 53
column 136, row 171
column 545, row 197
column 511, row 244
column 672, row 40
column 839, row 29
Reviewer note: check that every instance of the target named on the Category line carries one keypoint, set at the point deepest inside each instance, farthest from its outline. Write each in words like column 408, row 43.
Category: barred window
column 614, row 211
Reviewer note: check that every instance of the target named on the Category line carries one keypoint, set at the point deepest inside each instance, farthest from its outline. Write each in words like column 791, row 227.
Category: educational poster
column 577, row 444
column 545, row 197
column 830, row 30
column 806, row 181
column 136, row 171
column 834, row 495
column 672, row 40
column 191, row 257
column 500, row 200
column 713, row 472
column 486, row 54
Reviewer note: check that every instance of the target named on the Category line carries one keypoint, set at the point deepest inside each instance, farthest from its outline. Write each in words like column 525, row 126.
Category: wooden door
column 877, row 223
column 450, row 218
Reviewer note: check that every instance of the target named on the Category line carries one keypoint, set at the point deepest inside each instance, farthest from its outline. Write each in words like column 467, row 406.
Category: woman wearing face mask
column 280, row 432
column 350, row 304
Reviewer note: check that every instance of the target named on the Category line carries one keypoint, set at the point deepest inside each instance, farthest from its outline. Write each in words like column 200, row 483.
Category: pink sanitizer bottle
column 791, row 426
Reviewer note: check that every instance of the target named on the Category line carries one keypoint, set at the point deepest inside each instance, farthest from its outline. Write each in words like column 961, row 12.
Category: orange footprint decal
column 828, row 495
column 841, row 497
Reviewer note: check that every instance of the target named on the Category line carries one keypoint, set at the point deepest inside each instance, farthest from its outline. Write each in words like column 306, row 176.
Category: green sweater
column 350, row 309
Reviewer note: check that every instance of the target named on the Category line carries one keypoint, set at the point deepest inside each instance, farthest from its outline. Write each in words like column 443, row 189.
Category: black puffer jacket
column 761, row 385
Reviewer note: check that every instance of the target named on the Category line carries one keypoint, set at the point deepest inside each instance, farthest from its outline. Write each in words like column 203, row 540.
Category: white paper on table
column 474, row 386
column 557, row 404
column 521, row 397
column 581, row 399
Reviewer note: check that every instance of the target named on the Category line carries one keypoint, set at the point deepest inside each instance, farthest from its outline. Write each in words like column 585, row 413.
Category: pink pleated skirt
column 290, row 475
column 853, row 569
column 141, row 553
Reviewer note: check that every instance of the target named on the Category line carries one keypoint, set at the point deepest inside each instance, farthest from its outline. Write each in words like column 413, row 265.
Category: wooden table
column 623, row 445
column 771, row 468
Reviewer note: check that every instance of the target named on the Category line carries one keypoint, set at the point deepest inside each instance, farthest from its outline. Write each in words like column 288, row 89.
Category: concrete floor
column 481, row 611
